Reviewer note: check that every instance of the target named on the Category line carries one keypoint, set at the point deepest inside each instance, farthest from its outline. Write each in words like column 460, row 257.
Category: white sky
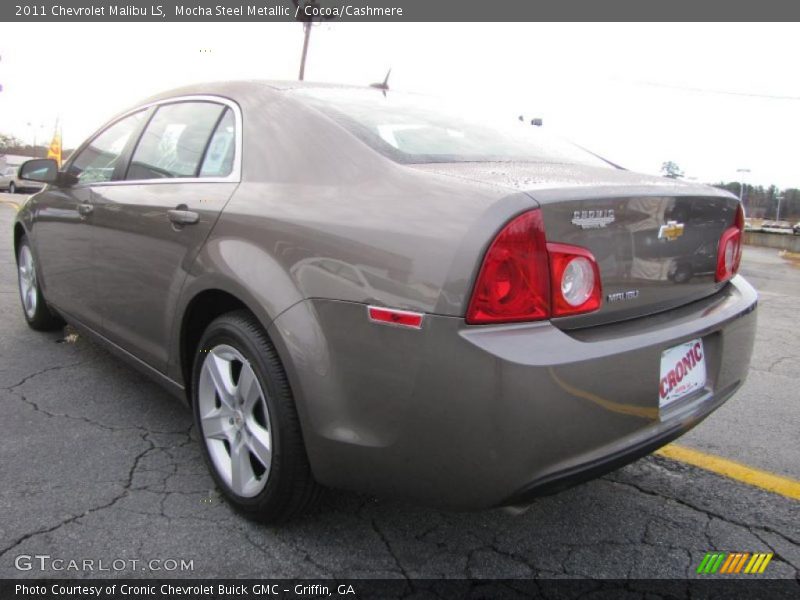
column 625, row 91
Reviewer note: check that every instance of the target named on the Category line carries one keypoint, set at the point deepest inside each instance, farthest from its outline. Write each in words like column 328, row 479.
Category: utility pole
column 741, row 184
column 305, row 14
column 306, row 36
column 35, row 130
column 780, row 197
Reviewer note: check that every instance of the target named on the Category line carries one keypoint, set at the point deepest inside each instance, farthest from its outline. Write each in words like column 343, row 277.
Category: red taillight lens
column 523, row 278
column 729, row 251
column 514, row 280
column 576, row 280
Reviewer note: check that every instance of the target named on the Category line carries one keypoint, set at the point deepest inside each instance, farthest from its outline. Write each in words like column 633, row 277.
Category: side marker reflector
column 393, row 316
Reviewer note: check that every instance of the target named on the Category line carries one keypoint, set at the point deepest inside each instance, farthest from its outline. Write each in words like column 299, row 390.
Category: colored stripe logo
column 734, row 562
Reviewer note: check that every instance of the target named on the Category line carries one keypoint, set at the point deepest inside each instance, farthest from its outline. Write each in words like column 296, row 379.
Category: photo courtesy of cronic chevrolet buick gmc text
column 360, row 289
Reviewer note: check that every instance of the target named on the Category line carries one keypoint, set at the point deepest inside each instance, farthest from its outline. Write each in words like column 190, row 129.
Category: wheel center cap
column 238, row 419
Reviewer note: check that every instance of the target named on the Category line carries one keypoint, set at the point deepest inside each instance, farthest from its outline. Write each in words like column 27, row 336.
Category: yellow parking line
column 778, row 484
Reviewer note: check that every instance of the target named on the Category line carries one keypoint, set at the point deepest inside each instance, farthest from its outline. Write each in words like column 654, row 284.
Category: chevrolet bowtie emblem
column 671, row 231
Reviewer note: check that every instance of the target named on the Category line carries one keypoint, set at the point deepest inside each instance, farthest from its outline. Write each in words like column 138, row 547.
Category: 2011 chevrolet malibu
column 370, row 291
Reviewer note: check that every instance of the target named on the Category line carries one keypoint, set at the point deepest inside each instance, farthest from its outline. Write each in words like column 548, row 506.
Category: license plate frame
column 683, row 371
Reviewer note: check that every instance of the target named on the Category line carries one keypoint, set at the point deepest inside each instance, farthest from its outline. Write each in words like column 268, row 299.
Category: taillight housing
column 575, row 280
column 524, row 278
column 729, row 251
column 514, row 280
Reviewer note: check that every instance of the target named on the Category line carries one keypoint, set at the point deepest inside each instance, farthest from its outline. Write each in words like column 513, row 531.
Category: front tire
column 248, row 424
column 34, row 307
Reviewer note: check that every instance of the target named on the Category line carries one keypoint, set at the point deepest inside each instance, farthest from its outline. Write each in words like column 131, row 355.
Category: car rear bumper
column 617, row 455
column 473, row 417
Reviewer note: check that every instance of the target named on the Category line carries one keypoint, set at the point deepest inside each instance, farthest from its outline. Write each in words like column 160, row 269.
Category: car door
column 62, row 233
column 151, row 223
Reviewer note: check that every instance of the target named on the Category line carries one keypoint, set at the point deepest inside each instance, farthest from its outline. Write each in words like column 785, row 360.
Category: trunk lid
column 655, row 240
column 654, row 252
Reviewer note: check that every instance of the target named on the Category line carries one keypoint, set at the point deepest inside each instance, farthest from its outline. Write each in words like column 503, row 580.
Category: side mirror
column 43, row 170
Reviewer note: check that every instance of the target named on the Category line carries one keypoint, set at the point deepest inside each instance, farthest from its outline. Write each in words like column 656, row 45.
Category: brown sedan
column 368, row 291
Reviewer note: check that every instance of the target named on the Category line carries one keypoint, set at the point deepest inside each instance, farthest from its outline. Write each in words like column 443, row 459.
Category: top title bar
column 398, row 10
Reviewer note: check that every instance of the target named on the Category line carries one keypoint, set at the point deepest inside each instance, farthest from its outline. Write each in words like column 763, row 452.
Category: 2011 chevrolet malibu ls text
column 366, row 290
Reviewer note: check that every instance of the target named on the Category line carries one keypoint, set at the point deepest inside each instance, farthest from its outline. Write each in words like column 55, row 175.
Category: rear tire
column 248, row 424
column 37, row 314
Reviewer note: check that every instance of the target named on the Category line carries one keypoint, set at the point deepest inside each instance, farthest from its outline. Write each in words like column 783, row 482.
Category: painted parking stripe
column 777, row 484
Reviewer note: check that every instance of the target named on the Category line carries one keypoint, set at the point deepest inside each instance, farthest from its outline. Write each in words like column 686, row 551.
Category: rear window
column 416, row 129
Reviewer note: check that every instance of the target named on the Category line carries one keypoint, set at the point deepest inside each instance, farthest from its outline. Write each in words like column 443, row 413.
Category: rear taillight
column 576, row 280
column 523, row 278
column 729, row 251
column 514, row 280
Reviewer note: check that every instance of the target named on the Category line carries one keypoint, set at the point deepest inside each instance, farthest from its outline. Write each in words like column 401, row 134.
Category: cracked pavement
column 97, row 462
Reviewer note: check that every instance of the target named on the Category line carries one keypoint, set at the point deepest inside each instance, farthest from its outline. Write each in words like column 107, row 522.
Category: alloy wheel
column 27, row 281
column 235, row 420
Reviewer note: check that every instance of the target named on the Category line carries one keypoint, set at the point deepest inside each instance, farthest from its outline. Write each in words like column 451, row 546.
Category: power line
column 712, row 91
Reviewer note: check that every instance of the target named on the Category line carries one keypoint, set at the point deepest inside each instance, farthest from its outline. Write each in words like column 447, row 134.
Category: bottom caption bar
column 472, row 589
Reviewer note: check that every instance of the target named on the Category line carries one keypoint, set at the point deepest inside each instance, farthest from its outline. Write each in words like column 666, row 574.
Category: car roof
column 240, row 90
column 237, row 87
column 295, row 85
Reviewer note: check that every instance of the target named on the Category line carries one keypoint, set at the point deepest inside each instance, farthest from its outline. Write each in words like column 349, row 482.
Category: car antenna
column 384, row 85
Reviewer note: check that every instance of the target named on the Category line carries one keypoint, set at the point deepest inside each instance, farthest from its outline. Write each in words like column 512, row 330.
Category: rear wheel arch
column 19, row 232
column 212, row 302
column 200, row 312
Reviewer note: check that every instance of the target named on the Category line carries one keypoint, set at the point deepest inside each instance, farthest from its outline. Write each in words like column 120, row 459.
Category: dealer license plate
column 683, row 371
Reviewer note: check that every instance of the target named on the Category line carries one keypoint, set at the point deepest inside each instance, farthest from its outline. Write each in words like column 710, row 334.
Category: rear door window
column 218, row 161
column 175, row 141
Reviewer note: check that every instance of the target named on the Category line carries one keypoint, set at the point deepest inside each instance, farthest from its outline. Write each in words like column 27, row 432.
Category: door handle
column 85, row 209
column 182, row 216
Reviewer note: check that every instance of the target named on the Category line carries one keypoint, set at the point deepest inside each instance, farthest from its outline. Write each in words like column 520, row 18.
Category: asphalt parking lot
column 98, row 463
